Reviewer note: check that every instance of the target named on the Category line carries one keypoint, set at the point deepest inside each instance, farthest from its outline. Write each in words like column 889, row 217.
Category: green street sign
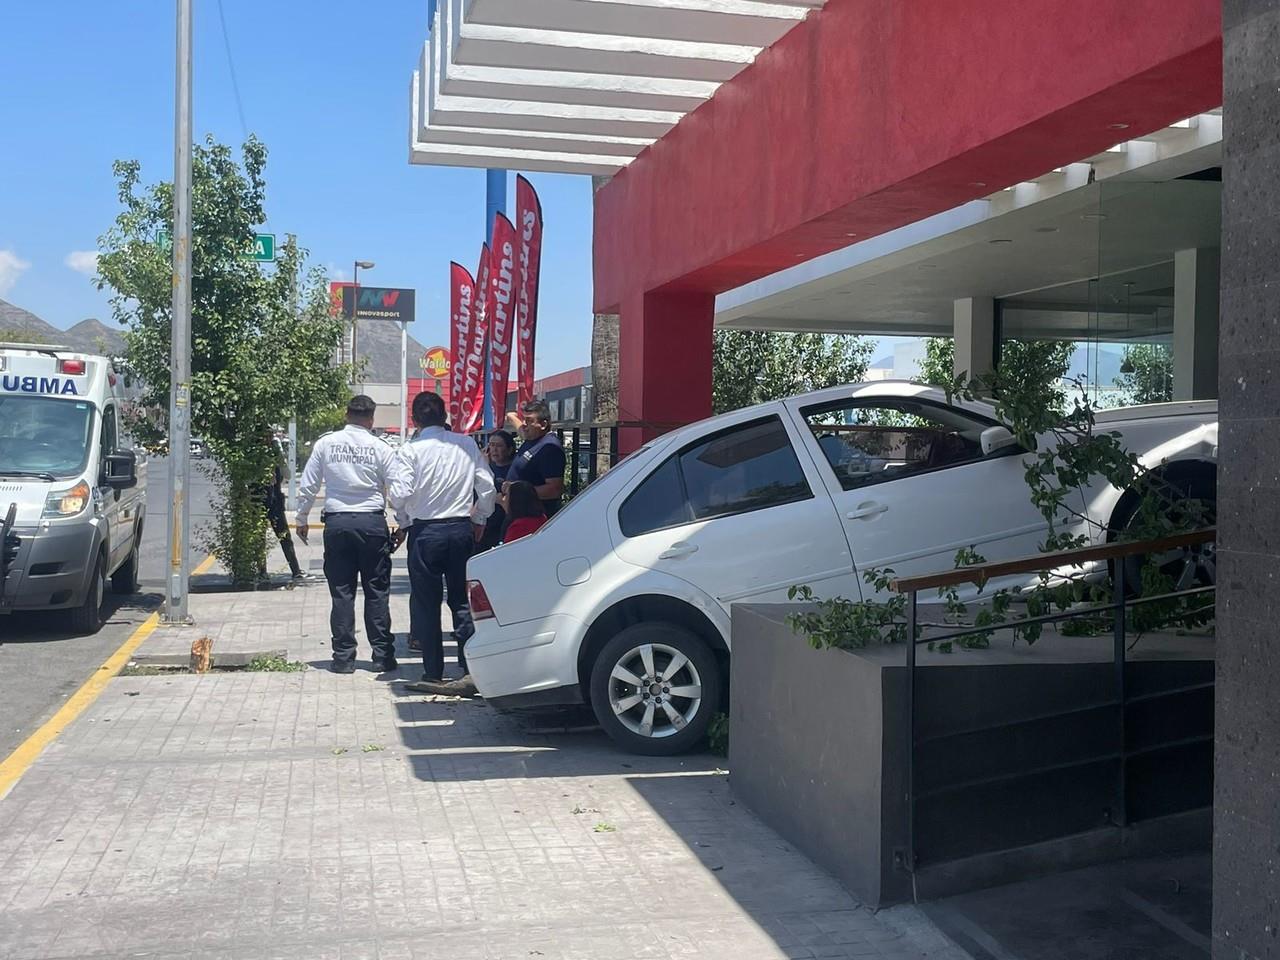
column 262, row 248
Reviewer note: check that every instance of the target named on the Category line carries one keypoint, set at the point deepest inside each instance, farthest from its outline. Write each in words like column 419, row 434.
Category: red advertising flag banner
column 461, row 315
column 529, row 265
column 471, row 402
column 501, row 316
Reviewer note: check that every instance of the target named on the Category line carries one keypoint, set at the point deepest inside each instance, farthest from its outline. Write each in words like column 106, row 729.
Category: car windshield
column 42, row 436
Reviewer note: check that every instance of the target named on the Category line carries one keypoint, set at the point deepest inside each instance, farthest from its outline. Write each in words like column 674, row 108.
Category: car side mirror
column 995, row 439
column 120, row 470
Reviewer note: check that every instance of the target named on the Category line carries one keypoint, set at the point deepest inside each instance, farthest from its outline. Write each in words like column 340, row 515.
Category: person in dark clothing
column 499, row 454
column 540, row 459
column 272, row 498
column 524, row 511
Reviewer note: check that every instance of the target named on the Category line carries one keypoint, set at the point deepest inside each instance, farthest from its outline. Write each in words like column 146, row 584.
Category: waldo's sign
column 435, row 363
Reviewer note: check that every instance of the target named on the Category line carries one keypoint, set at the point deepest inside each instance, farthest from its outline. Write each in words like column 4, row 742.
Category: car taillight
column 72, row 368
column 481, row 608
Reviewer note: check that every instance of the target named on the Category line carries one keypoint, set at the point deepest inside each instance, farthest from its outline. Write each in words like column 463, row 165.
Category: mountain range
column 89, row 336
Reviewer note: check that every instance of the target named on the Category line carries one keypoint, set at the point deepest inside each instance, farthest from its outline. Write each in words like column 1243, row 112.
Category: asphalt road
column 41, row 664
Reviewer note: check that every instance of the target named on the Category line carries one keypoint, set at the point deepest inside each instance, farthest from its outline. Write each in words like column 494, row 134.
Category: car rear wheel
column 87, row 618
column 655, row 688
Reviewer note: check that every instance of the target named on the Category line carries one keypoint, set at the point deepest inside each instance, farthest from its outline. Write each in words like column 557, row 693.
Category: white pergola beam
column 579, row 86
column 746, row 22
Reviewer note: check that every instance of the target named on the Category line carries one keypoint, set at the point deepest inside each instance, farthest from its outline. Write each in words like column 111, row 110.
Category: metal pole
column 912, row 619
column 404, row 381
column 1122, row 787
column 293, row 421
column 179, row 525
column 495, row 203
column 293, row 463
column 355, row 293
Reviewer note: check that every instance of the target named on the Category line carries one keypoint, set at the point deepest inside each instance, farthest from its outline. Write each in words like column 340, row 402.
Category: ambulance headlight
column 68, row 503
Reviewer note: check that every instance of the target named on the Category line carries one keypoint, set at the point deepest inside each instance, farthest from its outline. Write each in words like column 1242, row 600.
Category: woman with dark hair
column 525, row 513
column 499, row 453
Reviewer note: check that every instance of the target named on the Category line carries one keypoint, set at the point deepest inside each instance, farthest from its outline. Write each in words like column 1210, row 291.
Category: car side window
column 868, row 443
column 657, row 503
column 747, row 467
column 750, row 467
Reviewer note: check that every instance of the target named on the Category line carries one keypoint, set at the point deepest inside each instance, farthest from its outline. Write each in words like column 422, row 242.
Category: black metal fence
column 997, row 760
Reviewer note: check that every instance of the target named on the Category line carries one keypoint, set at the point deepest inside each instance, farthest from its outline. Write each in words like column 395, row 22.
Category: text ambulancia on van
column 72, row 499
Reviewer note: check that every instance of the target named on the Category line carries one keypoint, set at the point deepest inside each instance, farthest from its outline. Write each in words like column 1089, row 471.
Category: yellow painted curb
column 17, row 763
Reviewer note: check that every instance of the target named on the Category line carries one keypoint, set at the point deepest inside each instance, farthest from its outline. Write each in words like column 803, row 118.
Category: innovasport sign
column 379, row 303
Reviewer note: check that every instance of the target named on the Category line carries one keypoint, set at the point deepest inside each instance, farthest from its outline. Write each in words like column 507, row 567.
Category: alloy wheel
column 655, row 690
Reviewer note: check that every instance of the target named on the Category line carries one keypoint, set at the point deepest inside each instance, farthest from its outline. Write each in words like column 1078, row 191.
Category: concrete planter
column 1004, row 790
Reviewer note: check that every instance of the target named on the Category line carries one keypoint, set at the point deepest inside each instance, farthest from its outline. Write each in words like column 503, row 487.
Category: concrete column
column 664, row 363
column 1195, row 324
column 1246, row 808
column 975, row 336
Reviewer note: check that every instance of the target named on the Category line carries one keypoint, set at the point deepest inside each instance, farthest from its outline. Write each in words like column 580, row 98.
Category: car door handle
column 867, row 510
column 678, row 550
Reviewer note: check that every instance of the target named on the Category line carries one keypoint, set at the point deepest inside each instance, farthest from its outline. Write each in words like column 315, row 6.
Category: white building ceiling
column 577, row 86
column 1117, row 212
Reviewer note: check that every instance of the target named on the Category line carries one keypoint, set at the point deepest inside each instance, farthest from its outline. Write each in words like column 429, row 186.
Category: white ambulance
column 72, row 492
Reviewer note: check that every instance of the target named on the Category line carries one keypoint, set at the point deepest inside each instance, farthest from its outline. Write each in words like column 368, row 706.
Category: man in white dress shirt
column 356, row 469
column 445, row 489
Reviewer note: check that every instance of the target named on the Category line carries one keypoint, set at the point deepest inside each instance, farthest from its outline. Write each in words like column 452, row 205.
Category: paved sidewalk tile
column 309, row 815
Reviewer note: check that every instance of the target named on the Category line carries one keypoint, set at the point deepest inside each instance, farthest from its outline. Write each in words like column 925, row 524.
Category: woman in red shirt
column 524, row 510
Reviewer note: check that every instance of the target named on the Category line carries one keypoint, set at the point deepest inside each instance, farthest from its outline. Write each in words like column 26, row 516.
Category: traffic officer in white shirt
column 356, row 469
column 445, row 489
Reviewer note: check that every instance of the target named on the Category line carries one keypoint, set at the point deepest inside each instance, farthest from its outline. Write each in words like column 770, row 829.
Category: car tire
column 641, row 704
column 87, row 618
column 125, row 580
column 1191, row 566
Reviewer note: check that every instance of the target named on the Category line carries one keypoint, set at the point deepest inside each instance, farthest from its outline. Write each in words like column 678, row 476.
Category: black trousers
column 438, row 555
column 280, row 526
column 358, row 546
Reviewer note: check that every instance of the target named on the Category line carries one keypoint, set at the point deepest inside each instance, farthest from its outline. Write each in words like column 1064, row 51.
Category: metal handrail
column 981, row 574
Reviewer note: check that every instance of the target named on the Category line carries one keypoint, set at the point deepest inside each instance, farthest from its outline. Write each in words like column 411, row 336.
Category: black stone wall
column 1247, row 802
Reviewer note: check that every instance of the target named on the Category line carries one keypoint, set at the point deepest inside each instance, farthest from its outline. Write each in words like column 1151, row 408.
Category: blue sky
column 324, row 84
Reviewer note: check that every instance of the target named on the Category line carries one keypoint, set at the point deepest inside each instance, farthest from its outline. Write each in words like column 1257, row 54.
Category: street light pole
column 179, row 525
column 404, row 381
column 355, row 296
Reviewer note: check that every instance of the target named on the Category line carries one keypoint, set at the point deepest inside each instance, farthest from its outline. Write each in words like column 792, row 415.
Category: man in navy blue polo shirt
column 540, row 459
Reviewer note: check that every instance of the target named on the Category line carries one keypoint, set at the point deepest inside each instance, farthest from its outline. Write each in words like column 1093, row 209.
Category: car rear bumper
column 49, row 571
column 527, row 664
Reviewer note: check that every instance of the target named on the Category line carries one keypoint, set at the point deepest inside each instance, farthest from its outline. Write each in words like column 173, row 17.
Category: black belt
column 436, row 520
column 352, row 513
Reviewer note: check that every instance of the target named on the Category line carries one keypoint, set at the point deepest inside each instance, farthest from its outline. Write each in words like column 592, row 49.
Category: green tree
column 1146, row 373
column 263, row 339
column 1034, row 370
column 750, row 366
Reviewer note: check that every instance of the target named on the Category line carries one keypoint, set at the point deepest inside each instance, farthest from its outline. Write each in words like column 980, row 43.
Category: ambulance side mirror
column 120, row 470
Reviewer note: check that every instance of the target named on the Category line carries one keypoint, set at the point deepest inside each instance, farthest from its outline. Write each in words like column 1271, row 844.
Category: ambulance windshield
column 43, row 436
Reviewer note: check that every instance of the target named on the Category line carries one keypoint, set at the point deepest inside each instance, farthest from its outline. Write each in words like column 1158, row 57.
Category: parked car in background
column 625, row 596
column 199, row 450
column 72, row 491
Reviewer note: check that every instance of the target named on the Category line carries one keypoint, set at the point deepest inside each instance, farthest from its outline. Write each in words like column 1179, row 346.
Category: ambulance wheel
column 87, row 618
column 125, row 580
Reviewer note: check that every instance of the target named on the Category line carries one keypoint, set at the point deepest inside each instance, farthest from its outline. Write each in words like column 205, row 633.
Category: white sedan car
column 623, row 599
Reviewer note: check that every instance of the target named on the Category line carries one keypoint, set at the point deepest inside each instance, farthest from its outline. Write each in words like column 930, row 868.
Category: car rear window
column 745, row 467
